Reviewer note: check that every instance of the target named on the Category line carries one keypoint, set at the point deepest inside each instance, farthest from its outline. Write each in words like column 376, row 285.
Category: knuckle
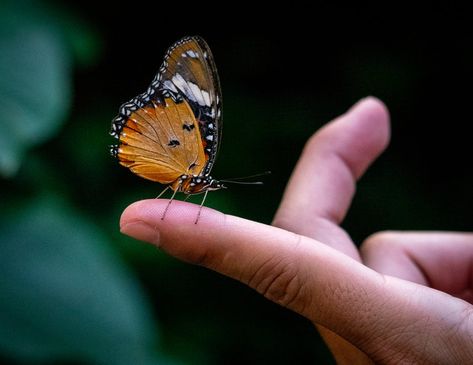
column 283, row 220
column 377, row 241
column 279, row 280
column 201, row 257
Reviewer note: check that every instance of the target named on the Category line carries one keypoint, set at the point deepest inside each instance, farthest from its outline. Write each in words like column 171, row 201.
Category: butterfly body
column 170, row 133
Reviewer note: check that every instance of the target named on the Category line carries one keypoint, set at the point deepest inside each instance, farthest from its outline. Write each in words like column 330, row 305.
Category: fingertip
column 358, row 136
column 178, row 212
column 375, row 117
column 177, row 232
column 133, row 212
column 371, row 101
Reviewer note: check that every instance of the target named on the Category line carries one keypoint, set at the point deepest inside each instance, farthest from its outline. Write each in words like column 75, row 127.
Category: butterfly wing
column 189, row 70
column 161, row 141
column 173, row 128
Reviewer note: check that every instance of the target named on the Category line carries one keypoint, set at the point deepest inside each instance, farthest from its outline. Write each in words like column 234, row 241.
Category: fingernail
column 141, row 231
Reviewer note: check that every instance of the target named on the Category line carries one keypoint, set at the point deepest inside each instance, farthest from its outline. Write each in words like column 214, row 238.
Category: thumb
column 376, row 313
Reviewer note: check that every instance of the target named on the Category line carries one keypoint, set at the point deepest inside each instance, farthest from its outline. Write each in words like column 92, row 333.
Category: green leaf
column 64, row 295
column 35, row 84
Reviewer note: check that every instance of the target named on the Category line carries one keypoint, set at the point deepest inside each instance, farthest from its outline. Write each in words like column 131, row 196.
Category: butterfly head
column 215, row 185
column 198, row 184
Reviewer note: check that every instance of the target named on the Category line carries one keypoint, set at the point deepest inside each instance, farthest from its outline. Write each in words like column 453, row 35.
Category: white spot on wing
column 206, row 96
column 196, row 91
column 191, row 90
column 202, row 97
column 179, row 82
column 170, row 85
column 192, row 54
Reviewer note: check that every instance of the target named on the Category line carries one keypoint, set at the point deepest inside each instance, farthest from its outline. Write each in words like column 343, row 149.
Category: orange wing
column 161, row 142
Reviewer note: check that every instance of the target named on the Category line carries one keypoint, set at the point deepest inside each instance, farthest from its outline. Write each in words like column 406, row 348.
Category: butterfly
column 171, row 133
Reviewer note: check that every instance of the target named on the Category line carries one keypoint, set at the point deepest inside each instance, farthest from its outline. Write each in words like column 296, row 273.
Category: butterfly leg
column 200, row 208
column 162, row 192
column 187, row 197
column 170, row 201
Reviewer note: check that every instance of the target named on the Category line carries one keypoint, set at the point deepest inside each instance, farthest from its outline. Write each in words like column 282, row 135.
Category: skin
column 402, row 298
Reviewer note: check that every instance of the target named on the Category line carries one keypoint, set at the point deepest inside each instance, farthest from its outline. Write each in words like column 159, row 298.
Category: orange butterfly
column 171, row 132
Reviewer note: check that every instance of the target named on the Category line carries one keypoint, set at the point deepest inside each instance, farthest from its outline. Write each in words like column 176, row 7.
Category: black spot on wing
column 188, row 127
column 173, row 143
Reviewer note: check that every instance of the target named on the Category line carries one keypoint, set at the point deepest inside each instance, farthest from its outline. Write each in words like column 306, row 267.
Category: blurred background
column 73, row 290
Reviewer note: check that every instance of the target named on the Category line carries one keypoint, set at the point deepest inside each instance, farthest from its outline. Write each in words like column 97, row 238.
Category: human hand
column 403, row 298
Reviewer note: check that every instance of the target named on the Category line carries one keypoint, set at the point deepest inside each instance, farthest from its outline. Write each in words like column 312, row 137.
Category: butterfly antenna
column 200, row 208
column 237, row 180
column 167, row 206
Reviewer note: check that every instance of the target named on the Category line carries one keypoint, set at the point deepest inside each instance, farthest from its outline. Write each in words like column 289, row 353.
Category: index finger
column 279, row 264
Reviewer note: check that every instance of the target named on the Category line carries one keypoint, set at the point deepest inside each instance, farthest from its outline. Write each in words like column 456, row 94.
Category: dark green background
column 73, row 290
